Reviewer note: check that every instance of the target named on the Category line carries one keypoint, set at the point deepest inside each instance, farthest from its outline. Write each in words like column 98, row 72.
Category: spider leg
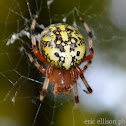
column 90, row 41
column 39, row 67
column 33, row 39
column 44, row 88
column 86, row 66
column 75, row 94
column 55, row 91
column 46, row 82
column 80, row 72
column 74, row 77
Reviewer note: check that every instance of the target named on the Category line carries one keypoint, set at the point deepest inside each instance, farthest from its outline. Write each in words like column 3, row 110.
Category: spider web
column 21, row 82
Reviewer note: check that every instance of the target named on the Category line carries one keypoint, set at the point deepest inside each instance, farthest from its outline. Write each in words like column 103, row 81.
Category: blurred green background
column 21, row 82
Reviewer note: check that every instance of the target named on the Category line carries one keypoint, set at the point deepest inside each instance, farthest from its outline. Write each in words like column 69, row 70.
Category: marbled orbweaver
column 63, row 49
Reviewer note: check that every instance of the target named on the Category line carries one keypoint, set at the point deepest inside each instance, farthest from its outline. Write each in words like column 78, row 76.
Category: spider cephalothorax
column 63, row 49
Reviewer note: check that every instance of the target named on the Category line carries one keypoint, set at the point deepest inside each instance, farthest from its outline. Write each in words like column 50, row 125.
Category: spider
column 63, row 49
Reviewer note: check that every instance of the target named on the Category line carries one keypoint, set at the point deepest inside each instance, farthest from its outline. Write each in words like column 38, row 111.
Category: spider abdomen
column 62, row 46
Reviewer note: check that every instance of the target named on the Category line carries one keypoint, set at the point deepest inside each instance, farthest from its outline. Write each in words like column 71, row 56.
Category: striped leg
column 90, row 41
column 74, row 77
column 33, row 39
column 46, row 82
column 75, row 94
column 80, row 72
column 39, row 67
column 44, row 88
column 86, row 66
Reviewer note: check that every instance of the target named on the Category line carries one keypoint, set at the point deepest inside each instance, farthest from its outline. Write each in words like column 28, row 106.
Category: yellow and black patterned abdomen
column 62, row 46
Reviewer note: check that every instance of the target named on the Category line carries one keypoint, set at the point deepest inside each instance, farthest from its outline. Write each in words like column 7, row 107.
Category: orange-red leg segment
column 80, row 72
column 39, row 67
column 33, row 39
